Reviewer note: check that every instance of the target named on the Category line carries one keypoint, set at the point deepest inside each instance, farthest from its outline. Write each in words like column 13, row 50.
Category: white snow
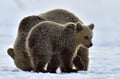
column 104, row 55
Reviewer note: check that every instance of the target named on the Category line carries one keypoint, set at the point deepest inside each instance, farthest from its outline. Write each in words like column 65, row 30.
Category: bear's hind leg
column 78, row 63
column 81, row 61
column 39, row 59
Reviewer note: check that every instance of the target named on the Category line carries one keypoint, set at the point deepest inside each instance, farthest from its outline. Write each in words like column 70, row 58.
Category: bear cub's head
column 83, row 33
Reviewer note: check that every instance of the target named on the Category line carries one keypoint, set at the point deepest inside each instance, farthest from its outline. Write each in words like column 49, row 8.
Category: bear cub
column 49, row 38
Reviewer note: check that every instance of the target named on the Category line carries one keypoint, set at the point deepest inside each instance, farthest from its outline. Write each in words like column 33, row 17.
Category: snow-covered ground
column 104, row 55
column 104, row 64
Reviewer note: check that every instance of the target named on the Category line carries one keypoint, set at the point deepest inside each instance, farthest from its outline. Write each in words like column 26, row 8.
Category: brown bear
column 49, row 38
column 63, row 16
column 18, row 53
column 58, row 15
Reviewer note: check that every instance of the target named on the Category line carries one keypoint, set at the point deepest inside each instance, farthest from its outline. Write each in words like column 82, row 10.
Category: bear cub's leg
column 66, row 60
column 38, row 65
column 53, row 64
column 39, row 59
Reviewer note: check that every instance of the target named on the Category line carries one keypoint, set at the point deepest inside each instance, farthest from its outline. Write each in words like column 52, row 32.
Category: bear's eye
column 86, row 37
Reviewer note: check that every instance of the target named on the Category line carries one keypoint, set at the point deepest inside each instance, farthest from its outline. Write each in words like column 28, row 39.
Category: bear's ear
column 91, row 26
column 70, row 27
column 10, row 52
column 79, row 27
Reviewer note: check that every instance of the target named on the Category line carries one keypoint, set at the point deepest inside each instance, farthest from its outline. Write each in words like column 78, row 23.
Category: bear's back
column 47, row 27
column 28, row 22
column 44, row 32
column 60, row 16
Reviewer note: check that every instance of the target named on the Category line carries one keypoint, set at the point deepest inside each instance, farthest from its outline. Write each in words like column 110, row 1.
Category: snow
column 104, row 55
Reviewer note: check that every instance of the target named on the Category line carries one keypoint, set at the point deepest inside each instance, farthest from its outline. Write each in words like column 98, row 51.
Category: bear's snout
column 91, row 44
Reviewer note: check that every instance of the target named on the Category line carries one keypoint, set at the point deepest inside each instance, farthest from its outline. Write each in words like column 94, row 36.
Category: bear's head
column 84, row 34
column 20, row 62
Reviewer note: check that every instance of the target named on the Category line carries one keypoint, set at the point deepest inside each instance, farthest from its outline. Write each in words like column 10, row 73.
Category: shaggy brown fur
column 60, row 16
column 81, row 61
column 63, row 16
column 18, row 53
column 48, row 38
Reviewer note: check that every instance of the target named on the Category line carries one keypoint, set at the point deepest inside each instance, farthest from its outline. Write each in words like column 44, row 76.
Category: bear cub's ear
column 79, row 27
column 10, row 52
column 91, row 26
column 70, row 27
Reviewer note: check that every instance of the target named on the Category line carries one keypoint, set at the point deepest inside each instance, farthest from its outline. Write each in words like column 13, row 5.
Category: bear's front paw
column 74, row 70
column 43, row 71
column 69, row 71
column 52, row 71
